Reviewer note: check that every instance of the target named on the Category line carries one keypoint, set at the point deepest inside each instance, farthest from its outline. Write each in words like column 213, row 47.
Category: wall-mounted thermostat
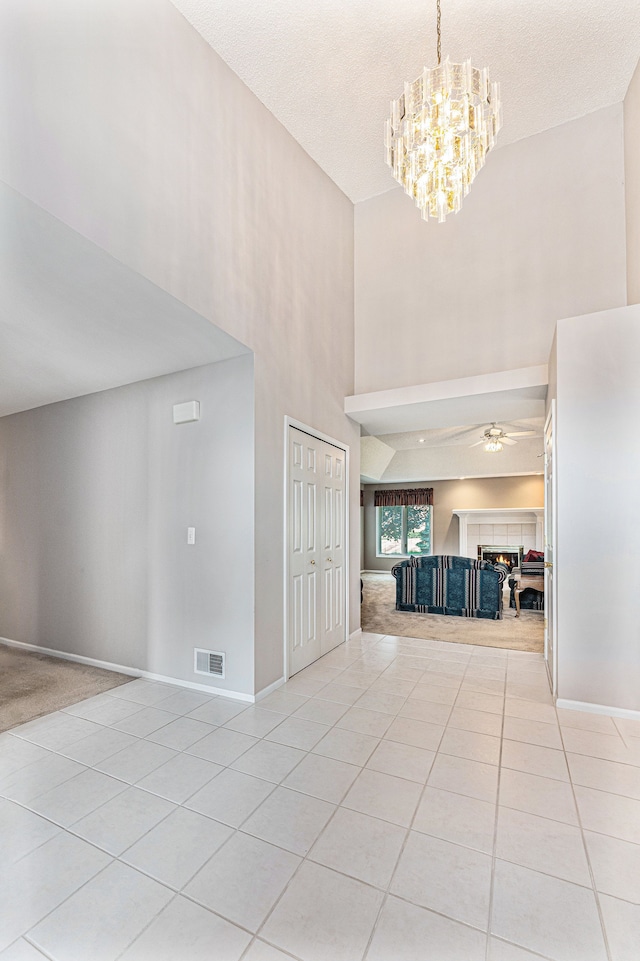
column 186, row 413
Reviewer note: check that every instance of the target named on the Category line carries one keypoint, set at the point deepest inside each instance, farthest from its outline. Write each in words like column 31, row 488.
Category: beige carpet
column 35, row 684
column 379, row 616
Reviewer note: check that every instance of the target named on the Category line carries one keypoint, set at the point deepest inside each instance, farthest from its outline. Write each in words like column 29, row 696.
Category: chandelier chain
column 439, row 39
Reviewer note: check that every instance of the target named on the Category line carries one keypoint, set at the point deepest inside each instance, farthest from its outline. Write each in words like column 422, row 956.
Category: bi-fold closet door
column 316, row 533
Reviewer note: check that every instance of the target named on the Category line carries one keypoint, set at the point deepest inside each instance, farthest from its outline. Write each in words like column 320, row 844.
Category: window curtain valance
column 404, row 498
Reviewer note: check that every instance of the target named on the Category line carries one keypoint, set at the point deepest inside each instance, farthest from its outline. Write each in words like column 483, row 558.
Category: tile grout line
column 306, row 858
column 325, row 828
column 595, row 891
column 303, row 858
column 512, row 944
column 45, row 954
column 402, row 850
column 147, row 926
column 392, row 875
column 306, row 753
column 495, row 829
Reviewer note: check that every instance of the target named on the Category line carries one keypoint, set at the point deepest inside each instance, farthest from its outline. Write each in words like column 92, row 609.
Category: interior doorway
column 550, row 616
column 316, row 551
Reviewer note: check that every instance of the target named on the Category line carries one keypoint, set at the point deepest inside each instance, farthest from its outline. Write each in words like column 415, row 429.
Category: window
column 403, row 530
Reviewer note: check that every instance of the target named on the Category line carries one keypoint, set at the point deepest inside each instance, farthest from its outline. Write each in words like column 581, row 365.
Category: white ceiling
column 447, row 452
column 463, row 436
column 327, row 69
column 445, row 463
column 73, row 320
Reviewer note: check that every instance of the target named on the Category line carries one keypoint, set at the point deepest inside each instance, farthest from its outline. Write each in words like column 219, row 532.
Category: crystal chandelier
column 440, row 132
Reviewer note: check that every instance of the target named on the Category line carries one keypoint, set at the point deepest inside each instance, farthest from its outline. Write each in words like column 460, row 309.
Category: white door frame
column 318, row 435
column 552, row 668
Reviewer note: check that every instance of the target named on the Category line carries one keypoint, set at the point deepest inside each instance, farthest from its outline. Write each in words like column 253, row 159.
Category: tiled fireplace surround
column 502, row 527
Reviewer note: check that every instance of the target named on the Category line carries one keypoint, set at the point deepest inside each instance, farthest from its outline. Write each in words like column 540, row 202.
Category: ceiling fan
column 494, row 438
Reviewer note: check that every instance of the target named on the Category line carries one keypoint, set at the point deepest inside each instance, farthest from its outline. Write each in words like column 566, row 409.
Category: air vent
column 208, row 662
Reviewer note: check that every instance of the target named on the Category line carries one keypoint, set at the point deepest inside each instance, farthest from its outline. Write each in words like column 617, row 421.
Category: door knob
column 312, row 562
column 329, row 561
column 548, row 564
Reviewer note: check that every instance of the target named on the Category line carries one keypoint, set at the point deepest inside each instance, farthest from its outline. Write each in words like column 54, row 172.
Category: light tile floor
column 399, row 800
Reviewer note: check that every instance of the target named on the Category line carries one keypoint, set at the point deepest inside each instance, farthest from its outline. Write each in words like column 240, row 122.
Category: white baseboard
column 131, row 671
column 591, row 708
column 78, row 658
column 196, row 686
column 355, row 634
column 268, row 689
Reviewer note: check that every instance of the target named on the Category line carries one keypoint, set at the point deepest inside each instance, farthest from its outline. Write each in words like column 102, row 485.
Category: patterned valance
column 400, row 498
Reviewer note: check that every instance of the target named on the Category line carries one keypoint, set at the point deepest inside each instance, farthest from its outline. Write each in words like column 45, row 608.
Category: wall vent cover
column 208, row 662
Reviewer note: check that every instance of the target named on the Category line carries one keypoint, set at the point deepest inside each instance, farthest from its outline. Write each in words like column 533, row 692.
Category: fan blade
column 520, row 433
column 507, row 440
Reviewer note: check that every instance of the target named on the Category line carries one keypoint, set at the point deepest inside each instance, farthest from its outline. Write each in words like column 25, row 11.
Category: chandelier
column 440, row 131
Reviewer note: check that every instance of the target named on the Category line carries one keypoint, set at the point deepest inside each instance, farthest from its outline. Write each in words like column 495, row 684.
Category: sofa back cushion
column 447, row 561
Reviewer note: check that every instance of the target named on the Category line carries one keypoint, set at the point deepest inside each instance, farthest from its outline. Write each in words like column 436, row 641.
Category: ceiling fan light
column 493, row 445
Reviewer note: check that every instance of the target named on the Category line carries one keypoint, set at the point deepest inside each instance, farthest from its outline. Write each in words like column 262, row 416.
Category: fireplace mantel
column 506, row 523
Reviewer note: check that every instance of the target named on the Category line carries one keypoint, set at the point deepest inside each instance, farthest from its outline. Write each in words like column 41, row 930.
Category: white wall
column 96, row 495
column 125, row 124
column 598, row 540
column 632, row 185
column 539, row 237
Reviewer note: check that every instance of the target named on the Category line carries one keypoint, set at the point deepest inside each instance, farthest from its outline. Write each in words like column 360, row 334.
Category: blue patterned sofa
column 445, row 584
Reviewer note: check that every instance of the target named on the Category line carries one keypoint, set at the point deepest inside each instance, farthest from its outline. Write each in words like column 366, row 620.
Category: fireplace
column 511, row 556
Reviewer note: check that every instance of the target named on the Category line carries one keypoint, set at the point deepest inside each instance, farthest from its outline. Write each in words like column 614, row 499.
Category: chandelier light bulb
column 439, row 133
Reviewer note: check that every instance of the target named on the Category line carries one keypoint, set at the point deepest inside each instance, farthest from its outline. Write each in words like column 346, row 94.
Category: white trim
column 355, row 634
column 196, row 686
column 367, row 482
column 507, row 394
column 517, row 379
column 298, row 425
column 402, row 557
column 312, row 432
column 65, row 656
column 131, row 671
column 404, row 535
column 269, row 689
column 500, row 511
column 551, row 597
column 591, row 708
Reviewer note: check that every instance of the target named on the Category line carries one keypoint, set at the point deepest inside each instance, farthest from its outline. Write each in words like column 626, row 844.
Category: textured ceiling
column 447, row 452
column 327, row 69
column 442, row 463
column 459, row 436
